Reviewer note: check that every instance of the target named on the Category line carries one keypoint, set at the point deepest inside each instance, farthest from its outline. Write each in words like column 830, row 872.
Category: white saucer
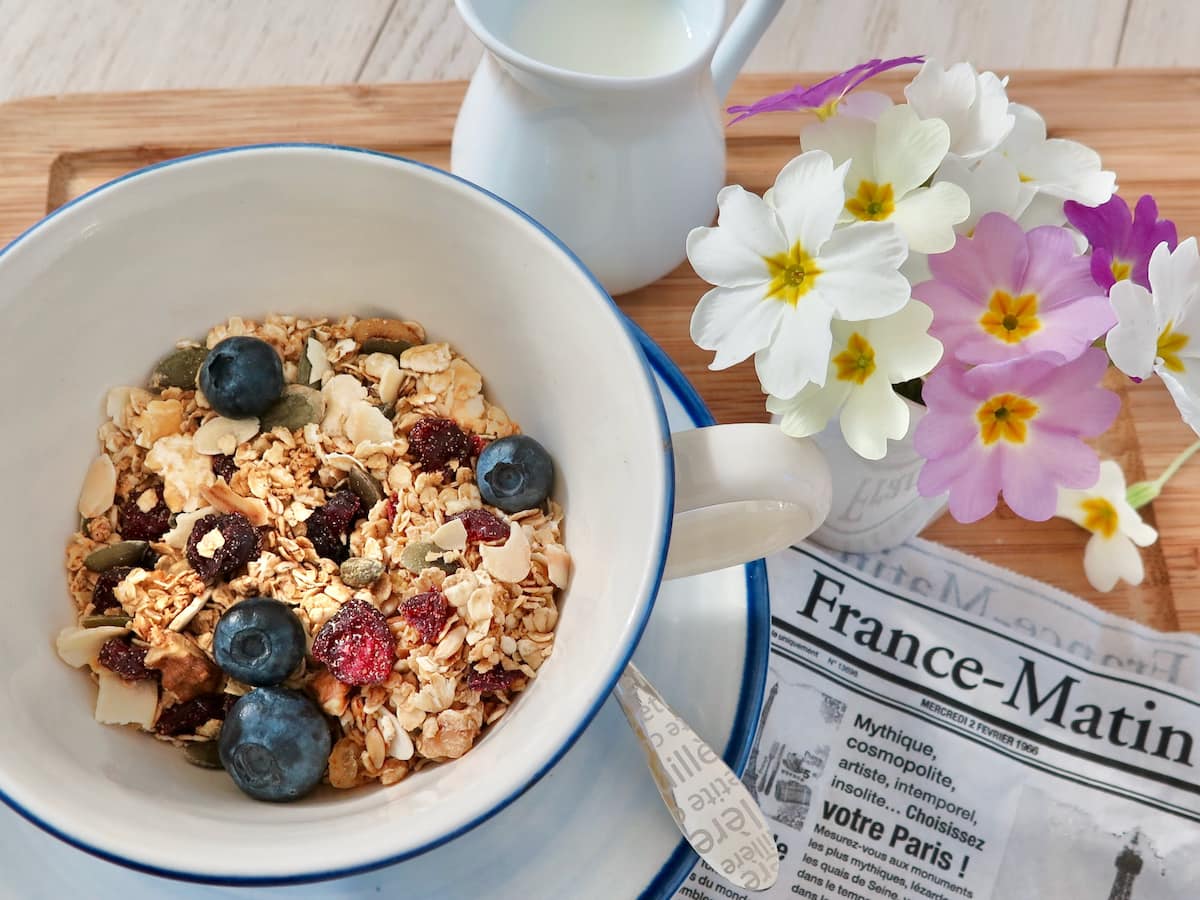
column 594, row 827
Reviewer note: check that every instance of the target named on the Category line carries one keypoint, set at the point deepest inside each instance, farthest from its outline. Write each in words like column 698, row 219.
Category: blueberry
column 275, row 744
column 259, row 641
column 241, row 377
column 514, row 473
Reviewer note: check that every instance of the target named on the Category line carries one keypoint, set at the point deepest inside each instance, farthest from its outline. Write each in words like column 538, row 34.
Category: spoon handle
column 712, row 808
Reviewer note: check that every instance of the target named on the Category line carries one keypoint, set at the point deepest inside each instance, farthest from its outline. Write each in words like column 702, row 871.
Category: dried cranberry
column 136, row 525
column 104, row 594
column 185, row 718
column 223, row 466
column 483, row 526
column 478, row 442
column 356, row 644
column 495, row 679
column 127, row 660
column 329, row 526
column 242, row 544
column 434, row 442
column 427, row 613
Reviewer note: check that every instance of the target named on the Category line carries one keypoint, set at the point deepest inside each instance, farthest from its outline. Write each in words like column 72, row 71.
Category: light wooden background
column 60, row 46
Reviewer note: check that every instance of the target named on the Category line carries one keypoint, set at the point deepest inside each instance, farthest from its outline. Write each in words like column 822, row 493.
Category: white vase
column 875, row 502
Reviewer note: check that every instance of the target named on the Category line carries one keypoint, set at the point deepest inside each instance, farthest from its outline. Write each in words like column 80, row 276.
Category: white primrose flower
column 783, row 272
column 1117, row 530
column 973, row 104
column 867, row 359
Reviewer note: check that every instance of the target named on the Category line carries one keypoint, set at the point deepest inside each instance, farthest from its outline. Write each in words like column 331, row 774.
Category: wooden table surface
column 1144, row 124
column 58, row 46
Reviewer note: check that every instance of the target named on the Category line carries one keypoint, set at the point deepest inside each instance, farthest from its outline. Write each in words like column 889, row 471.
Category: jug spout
column 743, row 34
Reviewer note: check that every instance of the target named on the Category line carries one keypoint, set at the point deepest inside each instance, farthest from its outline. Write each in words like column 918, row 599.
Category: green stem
column 1144, row 491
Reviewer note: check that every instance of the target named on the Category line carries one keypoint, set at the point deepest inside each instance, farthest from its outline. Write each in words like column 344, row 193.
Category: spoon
column 711, row 806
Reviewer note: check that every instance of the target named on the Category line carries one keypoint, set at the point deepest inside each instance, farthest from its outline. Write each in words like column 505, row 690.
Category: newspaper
column 937, row 728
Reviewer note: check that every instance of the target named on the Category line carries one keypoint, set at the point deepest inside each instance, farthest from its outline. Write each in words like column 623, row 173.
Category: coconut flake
column 226, row 500
column 121, row 702
column 317, row 360
column 99, row 487
column 341, row 393
column 558, row 565
column 510, row 562
column 79, row 647
column 188, row 613
column 366, row 423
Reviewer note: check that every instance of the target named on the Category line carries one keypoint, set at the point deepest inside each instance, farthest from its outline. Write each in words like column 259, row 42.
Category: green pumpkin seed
column 103, row 621
column 299, row 406
column 415, row 558
column 204, row 754
column 179, row 369
column 125, row 553
column 383, row 345
column 363, row 484
column 358, row 572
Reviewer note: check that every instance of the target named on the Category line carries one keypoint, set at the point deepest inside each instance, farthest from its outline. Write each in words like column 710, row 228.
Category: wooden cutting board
column 1144, row 123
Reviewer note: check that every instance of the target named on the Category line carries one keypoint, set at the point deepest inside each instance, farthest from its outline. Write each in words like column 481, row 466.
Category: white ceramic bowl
column 94, row 294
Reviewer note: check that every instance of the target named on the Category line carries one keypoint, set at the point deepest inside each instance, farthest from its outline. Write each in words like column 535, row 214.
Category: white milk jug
column 602, row 120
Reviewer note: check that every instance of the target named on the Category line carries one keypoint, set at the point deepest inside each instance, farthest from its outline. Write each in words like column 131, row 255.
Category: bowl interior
column 94, row 295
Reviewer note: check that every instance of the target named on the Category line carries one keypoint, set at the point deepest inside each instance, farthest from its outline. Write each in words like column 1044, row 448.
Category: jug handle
column 744, row 32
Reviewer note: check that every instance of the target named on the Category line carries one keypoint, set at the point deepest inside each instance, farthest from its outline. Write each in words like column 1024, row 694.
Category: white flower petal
column 1174, row 278
column 1185, row 391
column 1067, row 170
column 810, row 410
column 1029, row 129
column 907, row 149
column 992, row 185
column 1045, row 209
column 927, row 216
column 735, row 322
column 974, row 106
column 799, row 354
column 859, row 277
column 1109, row 560
column 719, row 258
column 750, row 221
column 873, row 413
column 1132, row 343
column 845, row 139
column 903, row 347
column 808, row 196
column 1132, row 526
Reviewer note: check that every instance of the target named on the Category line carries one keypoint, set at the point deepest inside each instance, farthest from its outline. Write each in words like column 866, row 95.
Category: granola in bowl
column 302, row 522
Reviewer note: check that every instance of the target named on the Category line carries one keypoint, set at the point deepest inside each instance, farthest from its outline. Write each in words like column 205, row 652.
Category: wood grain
column 1143, row 123
column 1161, row 33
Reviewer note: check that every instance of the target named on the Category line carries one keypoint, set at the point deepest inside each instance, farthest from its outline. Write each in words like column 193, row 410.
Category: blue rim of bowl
column 758, row 630
column 651, row 359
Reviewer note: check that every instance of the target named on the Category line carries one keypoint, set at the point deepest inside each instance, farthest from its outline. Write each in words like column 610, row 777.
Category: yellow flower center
column 1170, row 342
column 1011, row 319
column 792, row 274
column 873, row 202
column 1025, row 179
column 827, row 110
column 1005, row 417
column 1121, row 269
column 857, row 362
column 1099, row 516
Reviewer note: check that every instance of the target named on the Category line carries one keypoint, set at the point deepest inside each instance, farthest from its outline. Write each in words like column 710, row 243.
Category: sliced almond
column 99, row 487
column 178, row 536
column 318, row 360
column 79, row 647
column 391, row 329
column 451, row 643
column 366, row 423
column 221, row 435
column 223, row 497
column 451, row 536
column 121, row 702
column 427, row 358
column 510, row 562
column 558, row 565
column 188, row 613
